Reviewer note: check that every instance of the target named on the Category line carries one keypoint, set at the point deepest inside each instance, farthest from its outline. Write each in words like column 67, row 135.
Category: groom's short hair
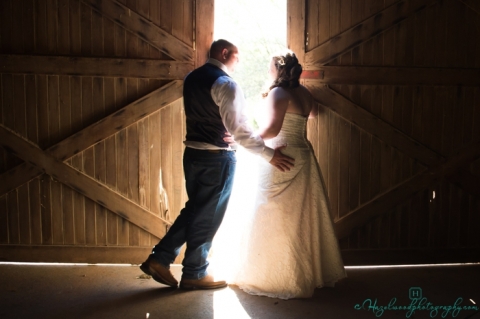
column 218, row 46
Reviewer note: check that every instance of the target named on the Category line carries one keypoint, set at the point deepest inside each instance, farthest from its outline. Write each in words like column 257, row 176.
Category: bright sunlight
column 259, row 30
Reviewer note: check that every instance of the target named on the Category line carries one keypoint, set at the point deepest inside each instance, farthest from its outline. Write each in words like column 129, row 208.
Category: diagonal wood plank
column 473, row 5
column 96, row 132
column 82, row 66
column 393, row 76
column 364, row 31
column 82, row 183
column 387, row 201
column 390, row 135
column 372, row 124
column 143, row 28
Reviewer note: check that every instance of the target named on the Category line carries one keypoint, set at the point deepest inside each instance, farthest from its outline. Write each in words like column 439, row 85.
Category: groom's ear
column 224, row 54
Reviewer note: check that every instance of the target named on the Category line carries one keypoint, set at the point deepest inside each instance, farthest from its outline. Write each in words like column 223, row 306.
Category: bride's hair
column 288, row 72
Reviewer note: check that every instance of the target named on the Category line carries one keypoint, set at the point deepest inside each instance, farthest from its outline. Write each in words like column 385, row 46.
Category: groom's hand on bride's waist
column 280, row 161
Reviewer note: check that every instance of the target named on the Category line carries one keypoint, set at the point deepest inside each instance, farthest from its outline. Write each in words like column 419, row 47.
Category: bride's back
column 300, row 101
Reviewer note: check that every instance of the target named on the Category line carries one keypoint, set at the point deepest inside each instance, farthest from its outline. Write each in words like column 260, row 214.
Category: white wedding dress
column 277, row 237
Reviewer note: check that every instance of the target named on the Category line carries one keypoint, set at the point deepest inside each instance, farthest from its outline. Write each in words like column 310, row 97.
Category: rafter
column 364, row 31
column 82, row 66
column 96, row 132
column 82, row 183
column 389, row 200
column 393, row 76
column 143, row 28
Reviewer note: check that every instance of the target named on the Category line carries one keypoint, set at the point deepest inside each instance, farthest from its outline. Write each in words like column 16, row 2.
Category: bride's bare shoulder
column 279, row 93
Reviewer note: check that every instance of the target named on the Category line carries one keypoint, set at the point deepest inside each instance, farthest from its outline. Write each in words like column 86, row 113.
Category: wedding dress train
column 277, row 238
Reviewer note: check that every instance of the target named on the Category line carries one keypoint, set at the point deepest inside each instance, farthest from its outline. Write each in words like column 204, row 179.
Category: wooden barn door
column 92, row 124
column 398, row 136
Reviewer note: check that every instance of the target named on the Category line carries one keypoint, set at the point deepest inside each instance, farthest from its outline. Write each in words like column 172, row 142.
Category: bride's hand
column 280, row 161
column 229, row 139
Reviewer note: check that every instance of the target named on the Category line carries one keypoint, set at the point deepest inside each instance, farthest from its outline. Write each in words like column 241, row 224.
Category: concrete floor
column 80, row 291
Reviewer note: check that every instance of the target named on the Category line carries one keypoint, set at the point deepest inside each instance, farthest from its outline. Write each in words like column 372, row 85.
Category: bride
column 277, row 238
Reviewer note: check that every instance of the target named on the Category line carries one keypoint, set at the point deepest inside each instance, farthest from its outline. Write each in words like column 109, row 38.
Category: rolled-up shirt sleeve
column 229, row 97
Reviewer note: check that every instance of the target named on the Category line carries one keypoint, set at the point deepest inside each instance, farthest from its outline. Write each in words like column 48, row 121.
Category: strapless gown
column 277, row 237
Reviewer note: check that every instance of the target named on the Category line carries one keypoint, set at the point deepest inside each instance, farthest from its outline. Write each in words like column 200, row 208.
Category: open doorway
column 259, row 29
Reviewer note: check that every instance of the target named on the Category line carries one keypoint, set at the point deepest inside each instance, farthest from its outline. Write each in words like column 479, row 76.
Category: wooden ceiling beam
column 390, row 199
column 362, row 32
column 143, row 28
column 87, row 66
column 82, row 183
column 359, row 75
column 95, row 133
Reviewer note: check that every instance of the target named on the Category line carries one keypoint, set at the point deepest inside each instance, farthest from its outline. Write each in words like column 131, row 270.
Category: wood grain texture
column 362, row 75
column 142, row 28
column 84, row 66
column 82, row 184
column 362, row 32
column 99, row 131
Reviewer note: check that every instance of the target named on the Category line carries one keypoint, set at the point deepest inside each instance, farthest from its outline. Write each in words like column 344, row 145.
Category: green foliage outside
column 258, row 29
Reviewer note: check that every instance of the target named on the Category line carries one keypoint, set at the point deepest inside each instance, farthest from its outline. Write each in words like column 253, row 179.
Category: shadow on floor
column 59, row 291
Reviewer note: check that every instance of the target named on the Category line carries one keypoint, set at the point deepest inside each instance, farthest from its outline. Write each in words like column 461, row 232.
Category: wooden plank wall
column 139, row 162
column 359, row 166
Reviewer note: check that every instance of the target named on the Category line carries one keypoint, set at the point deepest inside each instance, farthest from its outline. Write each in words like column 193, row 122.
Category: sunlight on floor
column 259, row 29
column 227, row 305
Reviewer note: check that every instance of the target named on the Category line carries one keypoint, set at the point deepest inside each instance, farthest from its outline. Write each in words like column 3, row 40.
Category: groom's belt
column 219, row 151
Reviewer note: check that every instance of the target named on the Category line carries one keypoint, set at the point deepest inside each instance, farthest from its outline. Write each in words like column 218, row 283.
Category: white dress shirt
column 229, row 97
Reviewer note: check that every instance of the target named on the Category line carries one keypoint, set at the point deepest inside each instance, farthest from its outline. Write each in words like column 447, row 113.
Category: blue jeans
column 208, row 180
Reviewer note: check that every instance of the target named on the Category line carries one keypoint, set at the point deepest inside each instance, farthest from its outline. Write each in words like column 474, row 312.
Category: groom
column 214, row 105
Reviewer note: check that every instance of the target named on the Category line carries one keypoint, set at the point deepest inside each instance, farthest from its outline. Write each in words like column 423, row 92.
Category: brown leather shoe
column 158, row 272
column 206, row 282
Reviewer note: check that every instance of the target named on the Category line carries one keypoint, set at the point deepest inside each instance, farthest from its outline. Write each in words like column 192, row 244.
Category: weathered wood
column 408, row 256
column 85, row 66
column 363, row 31
column 372, row 124
column 472, row 5
column 179, row 196
column 97, row 132
column 334, row 163
column 165, row 179
column 393, row 75
column 83, row 184
column 344, row 147
column 390, row 199
column 142, row 28
column 295, row 28
column 204, row 13
column 74, row 254
column 467, row 182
